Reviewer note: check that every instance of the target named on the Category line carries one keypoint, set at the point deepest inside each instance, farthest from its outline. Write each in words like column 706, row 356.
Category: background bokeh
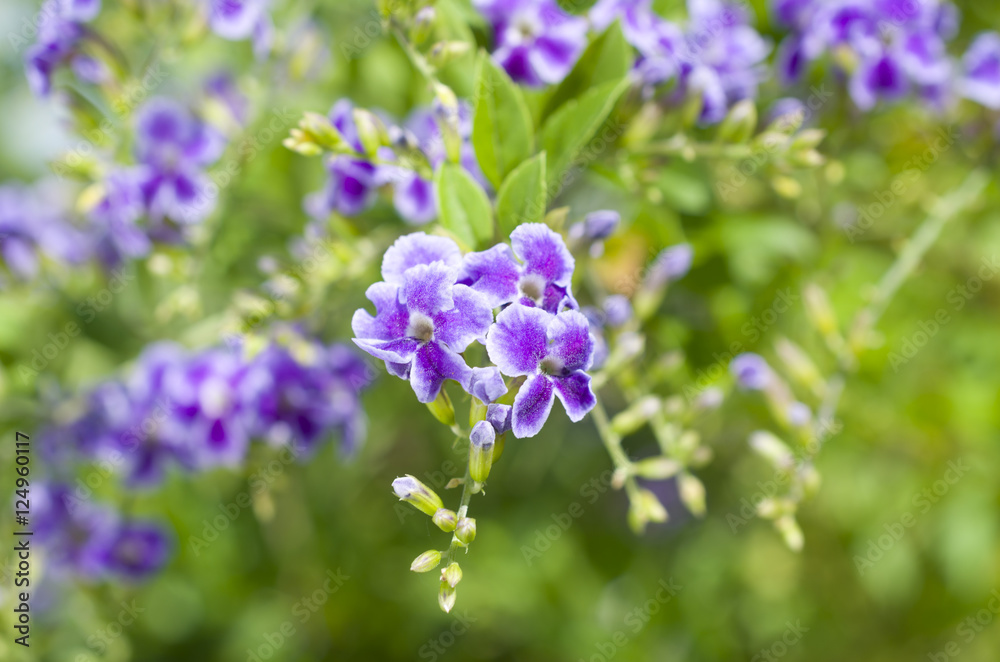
column 317, row 567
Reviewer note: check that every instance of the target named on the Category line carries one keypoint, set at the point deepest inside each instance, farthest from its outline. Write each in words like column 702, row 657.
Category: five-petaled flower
column 423, row 319
column 543, row 280
column 553, row 352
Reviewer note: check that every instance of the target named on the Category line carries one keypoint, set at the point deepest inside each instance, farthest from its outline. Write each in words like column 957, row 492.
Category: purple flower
column 76, row 533
column 137, row 550
column 487, row 384
column 617, row 310
column 553, row 352
column 241, row 19
column 221, row 87
column 671, row 264
column 175, row 146
column 297, row 403
column 880, row 78
column 751, row 371
column 415, row 249
column 115, row 218
column 423, row 319
column 350, row 189
column 542, row 278
column 980, row 80
column 534, row 40
column 33, row 224
column 60, row 36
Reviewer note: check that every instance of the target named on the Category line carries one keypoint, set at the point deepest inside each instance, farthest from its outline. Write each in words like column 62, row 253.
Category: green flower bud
column 446, row 520
column 371, row 131
column 658, row 468
column 426, row 561
column 645, row 508
column 446, row 597
column 445, row 51
column 692, row 493
column 452, row 574
column 633, row 418
column 442, row 409
column 466, row 530
column 412, row 491
column 772, row 449
column 790, row 532
column 740, row 123
column 819, row 309
column 481, row 444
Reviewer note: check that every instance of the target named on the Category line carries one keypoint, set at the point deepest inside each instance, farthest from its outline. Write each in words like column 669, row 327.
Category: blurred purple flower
column 60, row 36
column 980, row 80
column 33, row 223
column 534, row 40
column 751, row 371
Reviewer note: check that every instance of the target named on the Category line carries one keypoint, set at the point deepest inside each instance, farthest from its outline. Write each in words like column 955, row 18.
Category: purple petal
column 413, row 198
column 432, row 365
column 487, row 384
column 516, row 343
column 492, row 272
column 532, row 406
column 418, row 248
column 499, row 417
column 399, row 351
column 391, row 319
column 469, row 320
column 570, row 345
column 428, row 288
column 543, row 252
column 574, row 392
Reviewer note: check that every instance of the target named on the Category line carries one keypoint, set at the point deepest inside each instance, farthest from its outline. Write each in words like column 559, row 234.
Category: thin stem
column 613, row 443
column 943, row 211
column 463, row 509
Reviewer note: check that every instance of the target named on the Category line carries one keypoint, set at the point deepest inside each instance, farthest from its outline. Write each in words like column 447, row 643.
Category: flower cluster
column 354, row 180
column 201, row 410
column 33, row 224
column 167, row 186
column 889, row 49
column 434, row 302
column 718, row 56
column 61, row 36
column 93, row 541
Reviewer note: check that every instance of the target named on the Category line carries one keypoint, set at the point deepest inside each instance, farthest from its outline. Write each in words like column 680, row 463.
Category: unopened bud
column 692, row 493
column 442, row 409
column 645, row 508
column 371, row 132
column 444, row 52
column 740, row 123
column 819, row 309
column 445, row 519
column 791, row 532
column 657, row 468
column 633, row 418
column 452, row 574
column 426, row 561
column 412, row 491
column 481, row 442
column 446, row 597
column 772, row 449
column 466, row 530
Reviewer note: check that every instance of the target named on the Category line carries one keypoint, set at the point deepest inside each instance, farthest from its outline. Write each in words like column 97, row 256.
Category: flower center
column 421, row 327
column 552, row 366
column 532, row 286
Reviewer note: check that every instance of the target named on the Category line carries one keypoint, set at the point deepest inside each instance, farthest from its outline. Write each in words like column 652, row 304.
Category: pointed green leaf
column 502, row 133
column 463, row 207
column 568, row 132
column 523, row 195
column 607, row 58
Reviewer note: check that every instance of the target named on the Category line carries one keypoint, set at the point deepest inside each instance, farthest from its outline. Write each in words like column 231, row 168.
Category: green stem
column 463, row 509
column 613, row 443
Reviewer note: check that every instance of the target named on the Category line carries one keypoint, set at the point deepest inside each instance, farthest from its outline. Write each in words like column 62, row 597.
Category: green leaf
column 523, row 195
column 463, row 206
column 502, row 133
column 607, row 58
column 569, row 130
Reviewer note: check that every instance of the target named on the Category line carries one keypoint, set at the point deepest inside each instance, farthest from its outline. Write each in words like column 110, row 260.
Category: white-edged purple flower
column 32, row 225
column 222, row 88
column 980, row 80
column 115, row 218
column 751, row 371
column 880, row 78
column 553, row 352
column 423, row 320
column 534, row 40
column 242, row 19
column 542, row 278
column 617, row 310
column 75, row 532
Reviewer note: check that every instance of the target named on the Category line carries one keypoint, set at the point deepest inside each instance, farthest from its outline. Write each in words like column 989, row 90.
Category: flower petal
column 569, row 341
column 428, row 288
column 391, row 319
column 469, row 320
column 432, row 365
column 487, row 384
column 516, row 343
column 418, row 248
column 574, row 392
column 400, row 350
column 493, row 272
column 532, row 406
column 543, row 252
